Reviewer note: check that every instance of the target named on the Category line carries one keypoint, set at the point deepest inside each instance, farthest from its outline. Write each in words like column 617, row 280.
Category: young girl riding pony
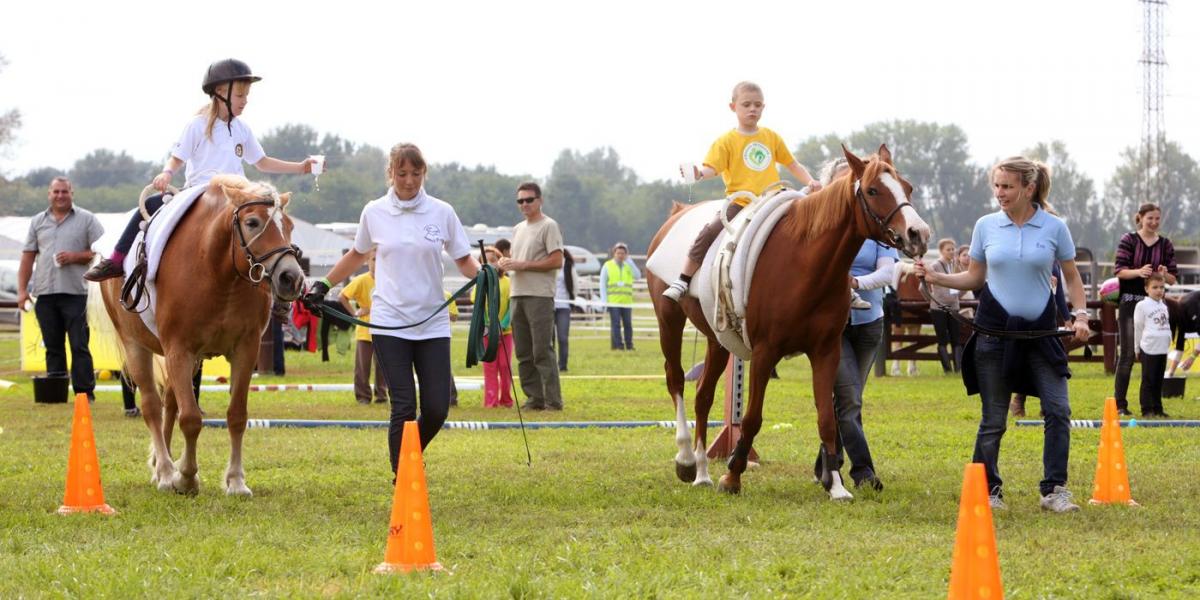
column 207, row 149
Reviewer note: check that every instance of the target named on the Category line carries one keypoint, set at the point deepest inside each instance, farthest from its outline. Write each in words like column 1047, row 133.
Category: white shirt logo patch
column 433, row 233
column 757, row 156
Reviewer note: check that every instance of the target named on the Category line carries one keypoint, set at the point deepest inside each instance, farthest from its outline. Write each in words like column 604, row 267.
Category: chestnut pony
column 798, row 303
column 227, row 258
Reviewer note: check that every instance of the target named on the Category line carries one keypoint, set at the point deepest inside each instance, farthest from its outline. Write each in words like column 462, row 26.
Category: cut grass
column 599, row 513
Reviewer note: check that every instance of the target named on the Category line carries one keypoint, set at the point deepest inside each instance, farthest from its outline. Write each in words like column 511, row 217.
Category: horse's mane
column 253, row 189
column 829, row 208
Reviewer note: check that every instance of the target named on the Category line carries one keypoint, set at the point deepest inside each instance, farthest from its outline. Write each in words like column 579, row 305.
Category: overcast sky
column 512, row 83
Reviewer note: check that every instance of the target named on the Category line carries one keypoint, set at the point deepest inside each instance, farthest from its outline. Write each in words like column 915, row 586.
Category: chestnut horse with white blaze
column 798, row 303
column 228, row 258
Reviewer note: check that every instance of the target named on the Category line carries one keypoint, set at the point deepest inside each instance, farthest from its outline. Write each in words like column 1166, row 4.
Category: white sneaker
column 676, row 290
column 857, row 303
column 997, row 503
column 1059, row 501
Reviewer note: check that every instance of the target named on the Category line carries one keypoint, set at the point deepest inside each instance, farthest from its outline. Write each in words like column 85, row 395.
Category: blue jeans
column 860, row 343
column 995, row 393
column 619, row 317
column 562, row 333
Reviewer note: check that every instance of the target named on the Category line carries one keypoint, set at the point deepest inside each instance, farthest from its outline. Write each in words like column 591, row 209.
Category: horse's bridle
column 893, row 239
column 257, row 270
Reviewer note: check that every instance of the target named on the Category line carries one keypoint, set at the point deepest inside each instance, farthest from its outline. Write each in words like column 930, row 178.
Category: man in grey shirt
column 537, row 254
column 60, row 241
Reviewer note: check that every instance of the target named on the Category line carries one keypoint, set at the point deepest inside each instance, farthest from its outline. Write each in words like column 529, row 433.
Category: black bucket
column 1173, row 387
column 50, row 389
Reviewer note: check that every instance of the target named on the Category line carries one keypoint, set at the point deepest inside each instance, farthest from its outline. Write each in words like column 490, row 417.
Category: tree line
column 598, row 201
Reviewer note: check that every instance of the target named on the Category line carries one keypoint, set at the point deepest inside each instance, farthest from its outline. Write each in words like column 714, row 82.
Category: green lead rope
column 485, row 317
column 487, row 306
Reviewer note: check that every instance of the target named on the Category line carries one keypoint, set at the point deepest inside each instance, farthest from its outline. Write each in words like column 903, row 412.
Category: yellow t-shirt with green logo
column 747, row 162
column 359, row 291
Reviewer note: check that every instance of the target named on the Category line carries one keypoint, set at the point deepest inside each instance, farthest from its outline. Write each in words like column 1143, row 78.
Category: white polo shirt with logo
column 221, row 155
column 410, row 236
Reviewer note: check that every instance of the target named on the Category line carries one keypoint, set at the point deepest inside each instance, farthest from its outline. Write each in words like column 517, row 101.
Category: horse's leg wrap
column 831, row 477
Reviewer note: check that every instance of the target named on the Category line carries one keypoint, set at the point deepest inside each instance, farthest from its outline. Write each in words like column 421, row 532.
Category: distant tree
column 42, row 176
column 950, row 192
column 10, row 121
column 1073, row 196
column 1179, row 203
column 105, row 168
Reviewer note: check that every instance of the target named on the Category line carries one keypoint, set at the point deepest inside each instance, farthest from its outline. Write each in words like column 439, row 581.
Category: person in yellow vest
column 616, row 292
column 358, row 292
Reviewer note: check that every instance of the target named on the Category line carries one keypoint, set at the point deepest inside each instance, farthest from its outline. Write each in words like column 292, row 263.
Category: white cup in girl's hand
column 318, row 165
column 689, row 172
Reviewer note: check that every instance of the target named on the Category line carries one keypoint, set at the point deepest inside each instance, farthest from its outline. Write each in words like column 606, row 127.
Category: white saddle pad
column 669, row 257
column 156, row 236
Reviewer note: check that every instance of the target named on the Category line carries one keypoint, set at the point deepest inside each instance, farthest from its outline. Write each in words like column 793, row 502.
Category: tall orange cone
column 1112, row 472
column 84, row 493
column 975, row 568
column 410, row 531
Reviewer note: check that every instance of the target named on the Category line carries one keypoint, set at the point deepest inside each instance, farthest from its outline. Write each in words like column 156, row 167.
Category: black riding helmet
column 227, row 71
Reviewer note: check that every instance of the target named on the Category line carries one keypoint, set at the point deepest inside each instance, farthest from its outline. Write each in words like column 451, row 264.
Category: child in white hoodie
column 1152, row 338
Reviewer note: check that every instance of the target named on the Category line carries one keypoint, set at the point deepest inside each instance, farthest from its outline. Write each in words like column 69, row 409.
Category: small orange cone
column 975, row 568
column 410, row 531
column 84, row 493
column 1112, row 472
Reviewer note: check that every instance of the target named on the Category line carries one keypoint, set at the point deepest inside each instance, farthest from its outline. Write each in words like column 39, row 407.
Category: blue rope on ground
column 465, row 425
column 1089, row 424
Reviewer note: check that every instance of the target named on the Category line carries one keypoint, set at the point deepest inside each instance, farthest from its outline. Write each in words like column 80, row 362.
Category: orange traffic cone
column 1112, row 472
column 410, row 532
column 84, row 493
column 975, row 568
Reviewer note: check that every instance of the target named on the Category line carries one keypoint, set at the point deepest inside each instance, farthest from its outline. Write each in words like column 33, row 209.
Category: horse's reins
column 1033, row 334
column 257, row 270
column 893, row 239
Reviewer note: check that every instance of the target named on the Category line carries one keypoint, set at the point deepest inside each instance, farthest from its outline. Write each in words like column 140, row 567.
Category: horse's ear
column 284, row 198
column 884, row 154
column 856, row 164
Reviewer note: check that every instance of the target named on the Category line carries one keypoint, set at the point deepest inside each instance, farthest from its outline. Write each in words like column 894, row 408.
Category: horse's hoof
column 837, row 491
column 187, row 486
column 685, row 473
column 727, row 486
column 706, row 482
column 238, row 490
column 754, row 464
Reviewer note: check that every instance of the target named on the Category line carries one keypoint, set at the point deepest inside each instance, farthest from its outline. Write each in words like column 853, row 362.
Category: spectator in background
column 961, row 264
column 504, row 247
column 60, row 242
column 944, row 325
column 616, row 292
column 497, row 375
column 356, row 299
column 1152, row 338
column 1140, row 254
column 564, row 294
column 537, row 252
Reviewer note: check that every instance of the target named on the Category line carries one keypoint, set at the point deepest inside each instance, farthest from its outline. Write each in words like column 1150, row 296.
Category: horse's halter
column 892, row 239
column 257, row 270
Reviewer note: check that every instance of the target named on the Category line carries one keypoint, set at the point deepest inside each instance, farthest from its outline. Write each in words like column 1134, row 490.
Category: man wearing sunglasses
column 537, row 254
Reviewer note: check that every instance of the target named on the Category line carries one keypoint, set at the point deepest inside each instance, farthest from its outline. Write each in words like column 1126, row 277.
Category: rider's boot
column 105, row 269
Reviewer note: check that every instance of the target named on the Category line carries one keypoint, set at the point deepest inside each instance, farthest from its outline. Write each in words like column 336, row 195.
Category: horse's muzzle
column 288, row 280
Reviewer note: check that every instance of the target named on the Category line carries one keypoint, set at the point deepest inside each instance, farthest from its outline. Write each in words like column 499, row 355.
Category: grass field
column 599, row 513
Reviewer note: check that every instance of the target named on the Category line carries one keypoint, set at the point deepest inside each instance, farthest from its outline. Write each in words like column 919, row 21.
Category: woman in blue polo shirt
column 1013, row 250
